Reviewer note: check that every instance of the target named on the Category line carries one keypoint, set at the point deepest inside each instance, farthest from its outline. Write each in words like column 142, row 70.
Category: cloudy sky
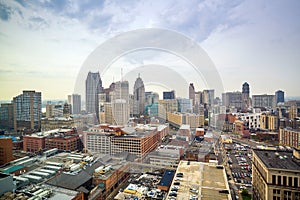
column 44, row 43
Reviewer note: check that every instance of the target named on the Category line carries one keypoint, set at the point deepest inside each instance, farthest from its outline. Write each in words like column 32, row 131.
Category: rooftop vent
column 296, row 153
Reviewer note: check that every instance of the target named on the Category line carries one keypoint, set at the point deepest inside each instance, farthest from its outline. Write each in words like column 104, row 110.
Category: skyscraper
column 120, row 102
column 208, row 96
column 105, row 105
column 138, row 96
column 246, row 90
column 192, row 93
column 232, row 99
column 93, row 86
column 169, row 95
column 245, row 96
column 185, row 105
column 151, row 98
column 264, row 100
column 27, row 110
column 75, row 101
column 7, row 115
column 279, row 96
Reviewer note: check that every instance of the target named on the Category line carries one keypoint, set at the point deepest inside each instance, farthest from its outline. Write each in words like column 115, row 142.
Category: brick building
column 138, row 140
column 110, row 180
column 6, row 147
column 33, row 143
column 68, row 143
column 63, row 139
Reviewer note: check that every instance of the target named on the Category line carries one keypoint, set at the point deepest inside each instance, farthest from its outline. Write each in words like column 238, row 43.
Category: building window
column 278, row 191
column 297, row 195
column 287, row 195
column 290, row 181
column 279, row 180
column 295, row 182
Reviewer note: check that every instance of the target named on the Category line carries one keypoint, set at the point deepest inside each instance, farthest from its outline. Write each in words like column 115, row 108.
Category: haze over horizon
column 43, row 44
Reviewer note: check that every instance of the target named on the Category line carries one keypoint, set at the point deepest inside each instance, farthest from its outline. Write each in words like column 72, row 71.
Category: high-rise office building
column 198, row 102
column 93, row 86
column 266, row 101
column 208, row 96
column 75, row 101
column 245, row 90
column 105, row 105
column 27, row 110
column 184, row 105
column 101, row 103
column 246, row 103
column 169, row 95
column 192, row 93
column 279, row 96
column 120, row 102
column 151, row 98
column 232, row 99
column 151, row 104
column 7, row 115
column 138, row 97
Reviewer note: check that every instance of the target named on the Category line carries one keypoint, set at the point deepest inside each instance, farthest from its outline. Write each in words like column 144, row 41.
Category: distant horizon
column 286, row 98
column 44, row 44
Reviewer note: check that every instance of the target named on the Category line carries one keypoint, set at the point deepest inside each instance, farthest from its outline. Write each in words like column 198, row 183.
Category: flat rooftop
column 278, row 159
column 185, row 126
column 169, row 154
column 202, row 180
column 167, row 178
column 68, row 181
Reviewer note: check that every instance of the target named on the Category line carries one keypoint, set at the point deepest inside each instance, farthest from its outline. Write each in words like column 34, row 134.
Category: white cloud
column 258, row 51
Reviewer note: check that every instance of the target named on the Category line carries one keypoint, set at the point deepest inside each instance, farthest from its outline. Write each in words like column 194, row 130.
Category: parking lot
column 238, row 157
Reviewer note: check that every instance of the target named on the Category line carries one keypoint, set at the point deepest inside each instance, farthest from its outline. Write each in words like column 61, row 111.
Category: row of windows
column 258, row 185
column 287, row 195
column 285, row 181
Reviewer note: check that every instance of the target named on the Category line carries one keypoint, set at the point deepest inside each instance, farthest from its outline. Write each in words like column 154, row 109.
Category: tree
column 245, row 192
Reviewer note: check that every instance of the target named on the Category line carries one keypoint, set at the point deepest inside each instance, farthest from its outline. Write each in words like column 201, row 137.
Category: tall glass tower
column 139, row 96
column 93, row 86
column 279, row 96
column 120, row 103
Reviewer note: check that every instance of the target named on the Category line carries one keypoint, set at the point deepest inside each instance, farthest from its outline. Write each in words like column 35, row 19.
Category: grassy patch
column 245, row 195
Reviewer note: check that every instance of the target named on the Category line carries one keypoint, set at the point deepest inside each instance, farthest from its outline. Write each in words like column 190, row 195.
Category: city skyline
column 248, row 41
